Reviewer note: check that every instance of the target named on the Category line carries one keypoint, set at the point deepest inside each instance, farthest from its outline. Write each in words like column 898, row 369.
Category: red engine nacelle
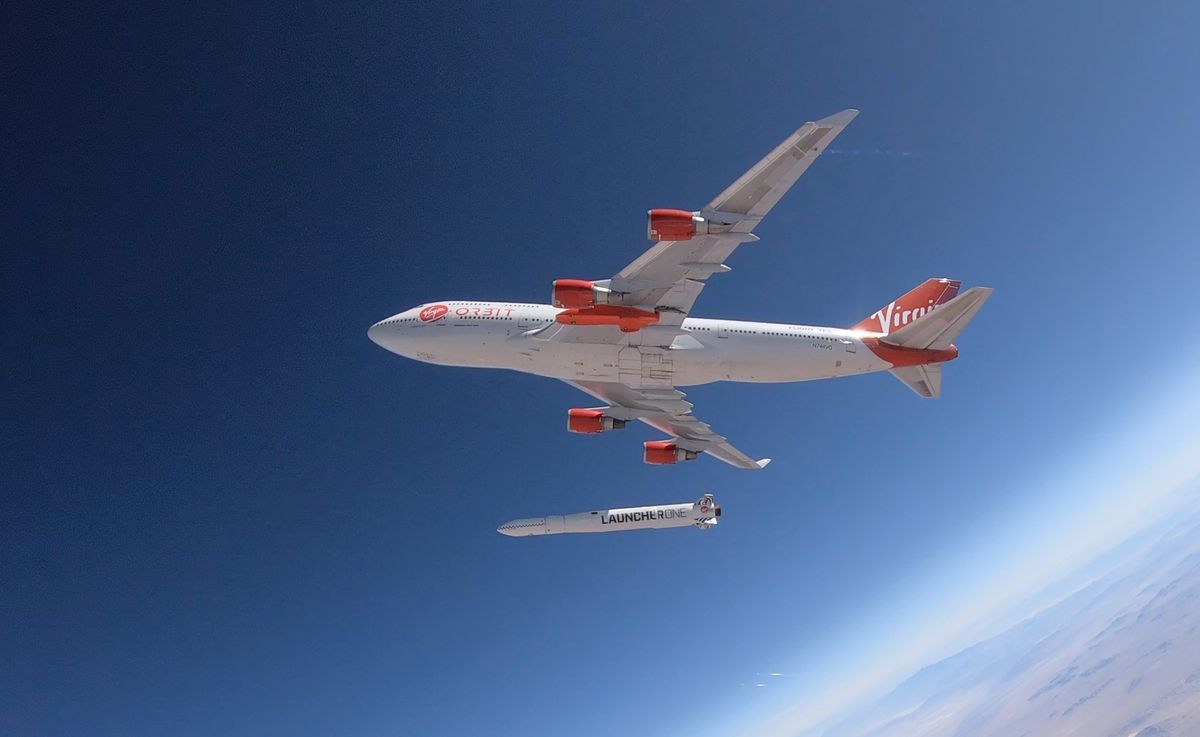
column 573, row 293
column 590, row 421
column 584, row 303
column 665, row 453
column 628, row 319
column 674, row 225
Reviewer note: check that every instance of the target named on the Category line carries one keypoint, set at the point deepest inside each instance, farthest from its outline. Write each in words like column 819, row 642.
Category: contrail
column 870, row 152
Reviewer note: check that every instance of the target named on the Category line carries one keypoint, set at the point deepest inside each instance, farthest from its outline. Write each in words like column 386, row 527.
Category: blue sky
column 226, row 511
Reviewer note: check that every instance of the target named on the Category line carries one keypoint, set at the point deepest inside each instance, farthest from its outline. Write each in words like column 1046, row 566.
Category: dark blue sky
column 227, row 512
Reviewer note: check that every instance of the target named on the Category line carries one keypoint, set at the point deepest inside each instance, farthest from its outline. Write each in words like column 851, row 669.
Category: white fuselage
column 513, row 336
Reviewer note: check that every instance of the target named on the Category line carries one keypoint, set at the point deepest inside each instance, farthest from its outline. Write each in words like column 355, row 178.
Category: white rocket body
column 702, row 513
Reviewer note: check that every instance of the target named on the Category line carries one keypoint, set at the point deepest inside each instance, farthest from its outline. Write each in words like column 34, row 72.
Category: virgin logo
column 896, row 315
column 433, row 312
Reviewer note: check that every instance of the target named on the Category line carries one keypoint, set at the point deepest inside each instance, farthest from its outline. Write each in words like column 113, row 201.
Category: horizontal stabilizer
column 937, row 329
column 925, row 380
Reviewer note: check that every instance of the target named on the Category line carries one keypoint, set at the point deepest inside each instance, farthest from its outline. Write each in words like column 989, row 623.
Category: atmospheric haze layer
column 1119, row 657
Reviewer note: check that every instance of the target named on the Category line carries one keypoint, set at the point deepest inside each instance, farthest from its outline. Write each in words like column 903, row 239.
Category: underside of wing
column 670, row 275
column 753, row 195
column 666, row 410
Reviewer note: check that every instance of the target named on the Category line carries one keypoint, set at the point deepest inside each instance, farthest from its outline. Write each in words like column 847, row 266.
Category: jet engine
column 585, row 303
column 665, row 453
column 674, row 225
column 590, row 421
column 577, row 294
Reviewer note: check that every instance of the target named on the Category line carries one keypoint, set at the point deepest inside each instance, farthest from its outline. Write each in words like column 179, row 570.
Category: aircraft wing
column 665, row 410
column 668, row 277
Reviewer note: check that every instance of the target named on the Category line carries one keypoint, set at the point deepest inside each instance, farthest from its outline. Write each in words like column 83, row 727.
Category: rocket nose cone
column 523, row 527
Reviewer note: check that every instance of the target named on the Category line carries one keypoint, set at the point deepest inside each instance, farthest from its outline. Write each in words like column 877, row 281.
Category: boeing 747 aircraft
column 629, row 341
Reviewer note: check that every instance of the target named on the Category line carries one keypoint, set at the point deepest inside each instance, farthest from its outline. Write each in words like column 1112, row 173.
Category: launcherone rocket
column 702, row 513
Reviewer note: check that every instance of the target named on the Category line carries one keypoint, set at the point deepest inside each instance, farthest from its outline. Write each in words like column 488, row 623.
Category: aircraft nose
column 377, row 332
column 387, row 334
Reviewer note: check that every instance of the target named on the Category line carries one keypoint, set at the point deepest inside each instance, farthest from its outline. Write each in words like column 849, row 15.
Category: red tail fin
column 916, row 303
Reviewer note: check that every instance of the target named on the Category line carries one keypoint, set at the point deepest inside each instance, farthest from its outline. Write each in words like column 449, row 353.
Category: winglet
column 762, row 462
column 838, row 120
